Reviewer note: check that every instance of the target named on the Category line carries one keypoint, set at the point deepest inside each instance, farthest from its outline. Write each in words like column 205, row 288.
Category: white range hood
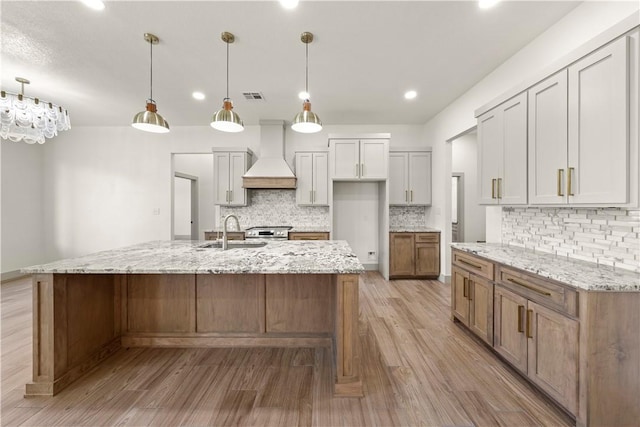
column 271, row 170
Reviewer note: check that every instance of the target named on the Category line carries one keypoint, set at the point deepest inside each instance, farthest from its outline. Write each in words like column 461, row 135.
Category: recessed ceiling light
column 486, row 4
column 289, row 4
column 410, row 94
column 304, row 95
column 94, row 4
column 198, row 95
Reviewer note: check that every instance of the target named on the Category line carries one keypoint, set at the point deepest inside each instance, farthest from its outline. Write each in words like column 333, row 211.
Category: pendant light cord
column 151, row 72
column 306, row 71
column 227, row 70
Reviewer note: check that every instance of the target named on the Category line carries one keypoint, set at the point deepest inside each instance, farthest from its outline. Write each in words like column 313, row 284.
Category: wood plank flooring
column 419, row 369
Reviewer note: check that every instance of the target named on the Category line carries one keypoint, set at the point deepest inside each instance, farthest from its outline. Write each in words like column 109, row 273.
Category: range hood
column 271, row 170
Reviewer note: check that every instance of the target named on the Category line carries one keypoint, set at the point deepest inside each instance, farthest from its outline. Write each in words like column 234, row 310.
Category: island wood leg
column 76, row 325
column 348, row 382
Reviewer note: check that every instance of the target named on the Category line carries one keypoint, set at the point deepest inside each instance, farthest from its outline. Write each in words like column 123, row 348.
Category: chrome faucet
column 225, row 244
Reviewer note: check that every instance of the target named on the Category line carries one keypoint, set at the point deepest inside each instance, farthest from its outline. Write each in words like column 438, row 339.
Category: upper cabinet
column 409, row 178
column 579, row 131
column 359, row 159
column 312, row 171
column 502, row 153
column 228, row 168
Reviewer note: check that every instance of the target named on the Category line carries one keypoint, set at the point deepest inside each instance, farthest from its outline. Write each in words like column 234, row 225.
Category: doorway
column 185, row 207
column 457, row 207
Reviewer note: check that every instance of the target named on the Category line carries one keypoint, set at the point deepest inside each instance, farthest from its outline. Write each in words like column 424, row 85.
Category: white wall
column 583, row 23
column 22, row 206
column 465, row 161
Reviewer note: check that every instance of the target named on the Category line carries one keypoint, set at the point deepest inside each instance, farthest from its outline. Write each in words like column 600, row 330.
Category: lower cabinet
column 472, row 302
column 414, row 255
column 231, row 235
column 305, row 235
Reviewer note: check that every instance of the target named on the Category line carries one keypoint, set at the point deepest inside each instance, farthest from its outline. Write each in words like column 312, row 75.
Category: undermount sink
column 234, row 244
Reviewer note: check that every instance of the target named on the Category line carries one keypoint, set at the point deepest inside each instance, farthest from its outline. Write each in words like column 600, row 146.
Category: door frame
column 195, row 204
column 460, row 204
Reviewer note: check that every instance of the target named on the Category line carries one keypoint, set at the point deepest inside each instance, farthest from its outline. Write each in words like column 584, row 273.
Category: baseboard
column 10, row 276
column 371, row 267
column 445, row 279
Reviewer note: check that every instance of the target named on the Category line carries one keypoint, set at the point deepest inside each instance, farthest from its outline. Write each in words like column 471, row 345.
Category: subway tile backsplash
column 407, row 216
column 608, row 236
column 278, row 207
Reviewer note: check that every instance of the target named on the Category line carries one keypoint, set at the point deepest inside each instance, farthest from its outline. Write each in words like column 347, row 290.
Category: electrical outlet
column 372, row 254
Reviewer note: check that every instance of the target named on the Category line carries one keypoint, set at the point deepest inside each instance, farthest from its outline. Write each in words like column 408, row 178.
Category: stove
column 280, row 232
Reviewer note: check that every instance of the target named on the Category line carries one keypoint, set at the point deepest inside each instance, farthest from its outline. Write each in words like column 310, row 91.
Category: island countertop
column 188, row 257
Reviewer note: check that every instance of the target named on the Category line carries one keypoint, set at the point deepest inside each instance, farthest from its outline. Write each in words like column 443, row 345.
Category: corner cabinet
column 410, row 178
column 358, row 159
column 502, row 153
column 228, row 168
column 312, row 171
column 414, row 255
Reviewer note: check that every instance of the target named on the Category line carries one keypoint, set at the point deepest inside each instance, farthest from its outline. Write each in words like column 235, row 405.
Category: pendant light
column 149, row 120
column 306, row 121
column 226, row 119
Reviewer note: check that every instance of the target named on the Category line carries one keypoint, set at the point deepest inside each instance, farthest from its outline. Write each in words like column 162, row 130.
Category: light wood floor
column 419, row 369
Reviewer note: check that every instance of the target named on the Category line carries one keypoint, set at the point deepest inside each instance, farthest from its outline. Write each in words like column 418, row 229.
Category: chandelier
column 31, row 120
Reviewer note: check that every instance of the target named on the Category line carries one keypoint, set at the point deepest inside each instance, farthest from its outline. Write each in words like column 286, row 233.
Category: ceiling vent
column 253, row 96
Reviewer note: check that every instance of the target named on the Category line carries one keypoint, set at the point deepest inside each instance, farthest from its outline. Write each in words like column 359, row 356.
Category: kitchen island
column 182, row 294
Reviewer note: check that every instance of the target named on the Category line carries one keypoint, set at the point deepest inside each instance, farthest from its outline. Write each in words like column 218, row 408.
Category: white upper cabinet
column 359, row 159
column 410, row 178
column 228, row 169
column 502, row 153
column 579, row 146
column 312, row 172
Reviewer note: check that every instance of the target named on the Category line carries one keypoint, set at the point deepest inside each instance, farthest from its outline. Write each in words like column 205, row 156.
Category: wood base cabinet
column 414, row 255
column 307, row 235
column 472, row 302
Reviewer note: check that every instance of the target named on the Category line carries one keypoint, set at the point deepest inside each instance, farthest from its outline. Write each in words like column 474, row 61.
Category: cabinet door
column 345, row 158
column 481, row 308
column 489, row 155
column 548, row 140
column 374, row 159
column 598, row 126
column 427, row 259
column 238, row 166
column 512, row 181
column 459, row 294
column 509, row 337
column 553, row 354
column 420, row 178
column 398, row 179
column 402, row 254
column 320, row 179
column 221, row 174
column 304, row 175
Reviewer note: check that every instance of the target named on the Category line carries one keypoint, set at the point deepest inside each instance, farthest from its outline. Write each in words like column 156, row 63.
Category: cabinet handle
column 560, row 173
column 411, row 192
column 469, row 290
column 529, row 322
column 231, row 195
column 569, row 184
column 493, row 188
column 464, row 287
column 533, row 288
column 406, row 196
column 470, row 264
column 499, row 188
column 521, row 318
column 227, row 196
column 362, row 169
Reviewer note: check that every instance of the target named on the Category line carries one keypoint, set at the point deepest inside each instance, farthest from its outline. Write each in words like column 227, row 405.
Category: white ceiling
column 365, row 55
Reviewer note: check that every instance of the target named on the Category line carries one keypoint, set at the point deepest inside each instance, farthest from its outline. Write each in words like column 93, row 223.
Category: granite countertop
column 412, row 229
column 187, row 257
column 580, row 274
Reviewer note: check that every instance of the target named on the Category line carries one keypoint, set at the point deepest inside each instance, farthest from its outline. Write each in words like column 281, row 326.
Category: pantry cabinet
column 502, row 153
column 359, row 159
column 312, row 171
column 228, row 169
column 409, row 178
column 414, row 255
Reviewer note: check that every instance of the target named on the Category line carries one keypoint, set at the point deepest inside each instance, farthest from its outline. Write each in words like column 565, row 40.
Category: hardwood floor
column 419, row 368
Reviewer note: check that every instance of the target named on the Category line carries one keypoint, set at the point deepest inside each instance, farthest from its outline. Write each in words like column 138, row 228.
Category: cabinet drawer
column 478, row 266
column 540, row 290
column 301, row 235
column 427, row 237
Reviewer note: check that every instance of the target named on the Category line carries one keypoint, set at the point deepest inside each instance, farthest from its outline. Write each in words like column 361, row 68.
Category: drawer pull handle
column 464, row 287
column 521, row 318
column 533, row 288
column 470, row 264
column 529, row 322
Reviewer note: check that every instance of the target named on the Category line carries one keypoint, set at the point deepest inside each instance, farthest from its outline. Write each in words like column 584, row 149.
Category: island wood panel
column 230, row 303
column 347, row 311
column 161, row 303
column 299, row 303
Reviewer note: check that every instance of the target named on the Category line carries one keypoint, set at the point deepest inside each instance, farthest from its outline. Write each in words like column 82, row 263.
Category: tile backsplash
column 403, row 216
column 608, row 236
column 278, row 207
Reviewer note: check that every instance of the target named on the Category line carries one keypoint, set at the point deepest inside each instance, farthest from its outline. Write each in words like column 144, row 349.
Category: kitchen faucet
column 225, row 244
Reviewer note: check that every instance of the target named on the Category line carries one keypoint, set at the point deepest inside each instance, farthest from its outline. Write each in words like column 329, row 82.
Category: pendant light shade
column 149, row 120
column 225, row 119
column 306, row 121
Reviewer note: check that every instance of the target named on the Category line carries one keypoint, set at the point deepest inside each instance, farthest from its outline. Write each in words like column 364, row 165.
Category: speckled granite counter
column 581, row 274
column 412, row 229
column 187, row 257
